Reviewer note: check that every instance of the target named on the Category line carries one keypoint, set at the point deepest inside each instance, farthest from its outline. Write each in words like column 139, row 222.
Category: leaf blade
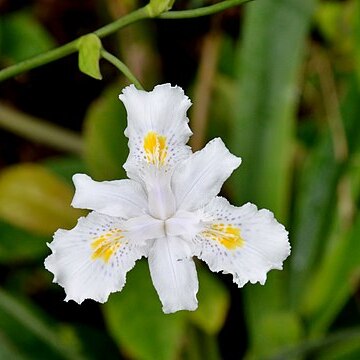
column 89, row 48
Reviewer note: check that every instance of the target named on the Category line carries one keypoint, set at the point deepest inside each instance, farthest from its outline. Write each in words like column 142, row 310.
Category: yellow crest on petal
column 155, row 148
column 226, row 234
column 106, row 245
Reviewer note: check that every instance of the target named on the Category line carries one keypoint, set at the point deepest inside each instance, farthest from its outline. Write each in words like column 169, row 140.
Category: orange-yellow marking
column 106, row 244
column 155, row 148
column 226, row 234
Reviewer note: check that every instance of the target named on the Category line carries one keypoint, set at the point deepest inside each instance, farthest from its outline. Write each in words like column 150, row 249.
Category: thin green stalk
column 72, row 46
column 39, row 130
column 139, row 14
column 204, row 11
column 122, row 67
column 38, row 60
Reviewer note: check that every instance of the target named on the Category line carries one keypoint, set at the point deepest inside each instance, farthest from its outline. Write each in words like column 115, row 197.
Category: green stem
column 204, row 11
column 38, row 60
column 139, row 14
column 39, row 130
column 122, row 67
column 72, row 46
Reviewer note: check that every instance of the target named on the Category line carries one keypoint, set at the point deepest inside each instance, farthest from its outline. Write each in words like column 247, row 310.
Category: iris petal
column 157, row 128
column 198, row 179
column 243, row 241
column 173, row 274
column 119, row 198
column 91, row 260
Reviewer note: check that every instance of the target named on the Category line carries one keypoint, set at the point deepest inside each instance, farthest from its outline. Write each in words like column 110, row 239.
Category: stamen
column 226, row 234
column 106, row 245
column 155, row 148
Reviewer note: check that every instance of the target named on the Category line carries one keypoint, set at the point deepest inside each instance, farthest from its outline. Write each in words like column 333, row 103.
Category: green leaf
column 35, row 199
column 274, row 324
column 347, row 349
column 39, row 339
column 8, row 350
column 89, row 55
column 222, row 112
column 315, row 205
column 270, row 54
column 17, row 244
column 334, row 281
column 214, row 303
column 66, row 166
column 356, row 22
column 227, row 58
column 105, row 144
column 327, row 17
column 340, row 345
column 317, row 213
column 269, row 62
column 136, row 322
column 350, row 110
column 95, row 342
column 22, row 37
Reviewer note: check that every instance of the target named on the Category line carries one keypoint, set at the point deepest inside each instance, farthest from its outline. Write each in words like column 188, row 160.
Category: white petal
column 243, row 241
column 173, row 273
column 119, row 198
column 161, row 201
column 91, row 260
column 199, row 178
column 157, row 126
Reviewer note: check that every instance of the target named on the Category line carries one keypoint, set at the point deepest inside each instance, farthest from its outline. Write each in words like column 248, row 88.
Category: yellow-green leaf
column 89, row 55
column 35, row 199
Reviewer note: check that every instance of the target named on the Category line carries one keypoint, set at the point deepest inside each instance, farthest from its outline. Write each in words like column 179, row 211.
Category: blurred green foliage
column 285, row 95
column 104, row 125
column 31, row 37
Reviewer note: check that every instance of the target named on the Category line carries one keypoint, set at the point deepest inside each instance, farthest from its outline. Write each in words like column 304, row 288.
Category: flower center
column 183, row 223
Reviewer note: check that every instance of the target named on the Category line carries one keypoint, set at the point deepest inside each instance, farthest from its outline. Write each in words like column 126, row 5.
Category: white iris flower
column 168, row 211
